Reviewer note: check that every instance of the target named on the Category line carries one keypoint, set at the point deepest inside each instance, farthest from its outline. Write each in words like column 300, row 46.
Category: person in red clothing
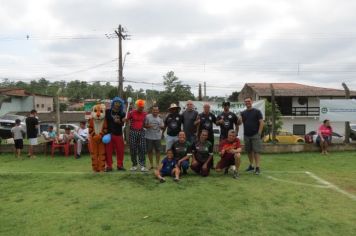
column 229, row 150
column 324, row 134
column 137, row 118
column 115, row 118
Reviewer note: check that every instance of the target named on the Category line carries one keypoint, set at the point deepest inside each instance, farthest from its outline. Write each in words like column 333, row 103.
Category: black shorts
column 19, row 143
column 153, row 144
column 225, row 162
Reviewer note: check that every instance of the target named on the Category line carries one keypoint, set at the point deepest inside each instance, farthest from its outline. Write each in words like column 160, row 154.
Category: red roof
column 294, row 89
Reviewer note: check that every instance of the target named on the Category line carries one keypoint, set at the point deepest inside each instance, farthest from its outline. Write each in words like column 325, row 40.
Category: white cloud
column 225, row 43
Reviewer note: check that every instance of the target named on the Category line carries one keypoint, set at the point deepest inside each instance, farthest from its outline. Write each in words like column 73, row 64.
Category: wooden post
column 347, row 123
column 273, row 102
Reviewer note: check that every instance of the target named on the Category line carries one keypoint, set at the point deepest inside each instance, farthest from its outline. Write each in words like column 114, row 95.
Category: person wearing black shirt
column 32, row 132
column 206, row 120
column 202, row 155
column 226, row 120
column 253, row 125
column 115, row 117
column 172, row 123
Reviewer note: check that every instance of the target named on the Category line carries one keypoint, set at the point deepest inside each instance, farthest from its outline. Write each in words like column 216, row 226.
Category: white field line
column 285, row 171
column 298, row 183
column 332, row 186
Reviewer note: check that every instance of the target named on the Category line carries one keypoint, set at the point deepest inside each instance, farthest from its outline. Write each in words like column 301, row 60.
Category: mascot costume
column 97, row 129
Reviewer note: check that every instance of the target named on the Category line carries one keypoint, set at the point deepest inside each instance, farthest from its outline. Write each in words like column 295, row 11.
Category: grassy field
column 62, row 197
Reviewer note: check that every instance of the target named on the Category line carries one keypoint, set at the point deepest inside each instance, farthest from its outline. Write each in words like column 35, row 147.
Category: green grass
column 73, row 201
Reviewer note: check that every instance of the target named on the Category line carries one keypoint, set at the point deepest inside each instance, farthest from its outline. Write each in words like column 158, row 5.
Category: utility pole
column 204, row 90
column 347, row 123
column 120, row 32
column 199, row 93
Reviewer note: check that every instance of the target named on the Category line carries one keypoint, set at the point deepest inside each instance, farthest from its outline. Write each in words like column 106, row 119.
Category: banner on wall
column 216, row 107
column 337, row 110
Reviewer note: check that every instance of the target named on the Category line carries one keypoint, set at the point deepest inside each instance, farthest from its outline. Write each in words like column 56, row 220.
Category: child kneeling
column 168, row 167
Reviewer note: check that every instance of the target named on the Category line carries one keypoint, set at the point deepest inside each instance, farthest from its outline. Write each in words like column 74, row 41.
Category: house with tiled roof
column 298, row 103
column 16, row 100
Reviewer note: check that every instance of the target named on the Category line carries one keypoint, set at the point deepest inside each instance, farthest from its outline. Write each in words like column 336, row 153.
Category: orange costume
column 97, row 129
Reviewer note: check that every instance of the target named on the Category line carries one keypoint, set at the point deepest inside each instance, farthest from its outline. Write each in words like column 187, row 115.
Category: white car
column 335, row 138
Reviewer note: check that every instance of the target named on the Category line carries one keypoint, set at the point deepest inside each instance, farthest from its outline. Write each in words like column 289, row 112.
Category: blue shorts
column 166, row 173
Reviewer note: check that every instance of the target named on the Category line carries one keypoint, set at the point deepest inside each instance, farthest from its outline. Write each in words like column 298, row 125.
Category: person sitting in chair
column 81, row 137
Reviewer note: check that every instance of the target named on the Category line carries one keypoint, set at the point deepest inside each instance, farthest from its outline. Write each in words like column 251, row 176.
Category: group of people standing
column 189, row 138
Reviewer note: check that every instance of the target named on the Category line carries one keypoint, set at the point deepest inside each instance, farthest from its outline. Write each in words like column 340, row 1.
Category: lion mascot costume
column 97, row 129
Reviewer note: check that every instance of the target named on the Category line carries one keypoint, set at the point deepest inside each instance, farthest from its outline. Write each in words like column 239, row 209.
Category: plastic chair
column 64, row 146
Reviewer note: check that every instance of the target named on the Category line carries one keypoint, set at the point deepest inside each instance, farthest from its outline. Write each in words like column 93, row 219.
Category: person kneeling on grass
column 229, row 150
column 168, row 167
column 202, row 155
column 182, row 151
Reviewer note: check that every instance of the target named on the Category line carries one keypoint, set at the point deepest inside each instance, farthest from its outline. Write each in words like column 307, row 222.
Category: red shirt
column 225, row 144
column 325, row 130
column 137, row 119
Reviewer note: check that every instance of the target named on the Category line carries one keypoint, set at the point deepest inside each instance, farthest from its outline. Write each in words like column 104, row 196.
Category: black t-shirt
column 207, row 122
column 113, row 127
column 181, row 150
column 173, row 122
column 202, row 151
column 251, row 120
column 229, row 119
column 31, row 129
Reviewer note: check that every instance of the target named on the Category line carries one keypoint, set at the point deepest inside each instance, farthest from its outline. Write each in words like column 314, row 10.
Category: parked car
column 7, row 121
column 285, row 137
column 216, row 132
column 353, row 131
column 335, row 138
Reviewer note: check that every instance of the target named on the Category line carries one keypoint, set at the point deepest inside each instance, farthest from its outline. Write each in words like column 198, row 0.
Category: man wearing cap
column 226, row 120
column 172, row 123
column 137, row 135
column 190, row 122
column 115, row 118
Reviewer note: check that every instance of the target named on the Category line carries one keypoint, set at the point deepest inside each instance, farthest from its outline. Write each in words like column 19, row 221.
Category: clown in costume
column 137, row 135
column 115, row 117
column 97, row 129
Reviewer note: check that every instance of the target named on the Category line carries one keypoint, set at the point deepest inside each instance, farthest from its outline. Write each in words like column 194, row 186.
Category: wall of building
column 311, row 124
column 17, row 104
column 43, row 103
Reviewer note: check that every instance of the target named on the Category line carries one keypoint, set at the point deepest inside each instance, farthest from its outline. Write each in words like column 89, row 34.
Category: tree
column 267, row 129
column 234, row 97
column 174, row 91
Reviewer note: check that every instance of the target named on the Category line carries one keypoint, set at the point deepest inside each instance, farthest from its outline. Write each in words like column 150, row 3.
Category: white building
column 298, row 103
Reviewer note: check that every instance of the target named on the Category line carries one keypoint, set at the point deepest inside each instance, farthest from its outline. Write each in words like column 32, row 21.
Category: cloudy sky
column 225, row 43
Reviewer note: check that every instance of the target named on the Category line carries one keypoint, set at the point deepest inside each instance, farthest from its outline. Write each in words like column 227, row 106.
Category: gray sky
column 225, row 43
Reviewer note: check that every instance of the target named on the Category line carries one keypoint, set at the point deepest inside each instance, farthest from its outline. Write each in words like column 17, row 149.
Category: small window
column 42, row 106
column 302, row 100
column 299, row 129
column 38, row 105
column 49, row 108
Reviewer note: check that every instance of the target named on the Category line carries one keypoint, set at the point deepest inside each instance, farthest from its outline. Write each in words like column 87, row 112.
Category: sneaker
column 108, row 169
column 121, row 168
column 257, row 171
column 77, row 156
column 236, row 174
column 162, row 180
column 176, row 180
column 134, row 168
column 143, row 169
column 250, row 168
